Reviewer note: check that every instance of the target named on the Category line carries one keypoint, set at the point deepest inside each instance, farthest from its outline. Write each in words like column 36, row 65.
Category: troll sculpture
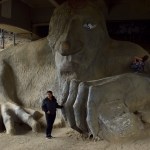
column 75, row 61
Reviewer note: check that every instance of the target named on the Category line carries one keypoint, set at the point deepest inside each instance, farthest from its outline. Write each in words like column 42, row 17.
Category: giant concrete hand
column 12, row 113
column 23, row 74
column 111, row 108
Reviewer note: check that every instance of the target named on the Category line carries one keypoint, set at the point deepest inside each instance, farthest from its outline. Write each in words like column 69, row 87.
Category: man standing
column 49, row 106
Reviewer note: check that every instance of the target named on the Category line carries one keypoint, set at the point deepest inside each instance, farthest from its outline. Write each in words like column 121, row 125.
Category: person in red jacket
column 49, row 106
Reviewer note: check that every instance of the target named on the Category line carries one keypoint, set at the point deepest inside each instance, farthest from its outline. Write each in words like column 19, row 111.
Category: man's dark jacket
column 50, row 105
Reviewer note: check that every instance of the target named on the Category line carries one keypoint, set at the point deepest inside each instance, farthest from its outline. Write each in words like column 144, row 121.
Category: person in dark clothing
column 49, row 106
column 138, row 63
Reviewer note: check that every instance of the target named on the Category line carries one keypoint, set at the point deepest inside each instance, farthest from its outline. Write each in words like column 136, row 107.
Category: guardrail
column 2, row 38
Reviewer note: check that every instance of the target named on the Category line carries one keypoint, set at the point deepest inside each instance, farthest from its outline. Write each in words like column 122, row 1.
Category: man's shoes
column 49, row 137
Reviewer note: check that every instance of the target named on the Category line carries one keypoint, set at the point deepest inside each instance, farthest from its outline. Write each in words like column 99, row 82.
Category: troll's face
column 76, row 37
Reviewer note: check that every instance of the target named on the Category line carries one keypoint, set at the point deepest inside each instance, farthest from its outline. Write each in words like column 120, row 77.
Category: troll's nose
column 65, row 48
column 68, row 49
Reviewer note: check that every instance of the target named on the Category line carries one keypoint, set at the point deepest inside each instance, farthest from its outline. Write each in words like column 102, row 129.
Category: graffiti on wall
column 135, row 31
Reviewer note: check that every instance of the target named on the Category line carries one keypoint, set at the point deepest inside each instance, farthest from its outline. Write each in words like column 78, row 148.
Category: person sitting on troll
column 138, row 63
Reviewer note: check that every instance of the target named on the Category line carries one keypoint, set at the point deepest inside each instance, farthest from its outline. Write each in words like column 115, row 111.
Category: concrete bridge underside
column 33, row 16
column 26, row 16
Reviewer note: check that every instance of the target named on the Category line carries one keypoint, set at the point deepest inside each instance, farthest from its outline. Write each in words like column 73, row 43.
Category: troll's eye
column 89, row 26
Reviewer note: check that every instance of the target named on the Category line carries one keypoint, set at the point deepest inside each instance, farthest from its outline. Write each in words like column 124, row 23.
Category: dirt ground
column 65, row 139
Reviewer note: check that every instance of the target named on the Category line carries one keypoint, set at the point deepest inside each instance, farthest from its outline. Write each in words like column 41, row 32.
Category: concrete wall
column 6, row 9
column 21, row 14
column 41, row 15
column 17, row 14
column 131, row 10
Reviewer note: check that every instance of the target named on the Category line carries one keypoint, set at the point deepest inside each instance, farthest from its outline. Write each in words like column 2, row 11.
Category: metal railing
column 2, row 38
